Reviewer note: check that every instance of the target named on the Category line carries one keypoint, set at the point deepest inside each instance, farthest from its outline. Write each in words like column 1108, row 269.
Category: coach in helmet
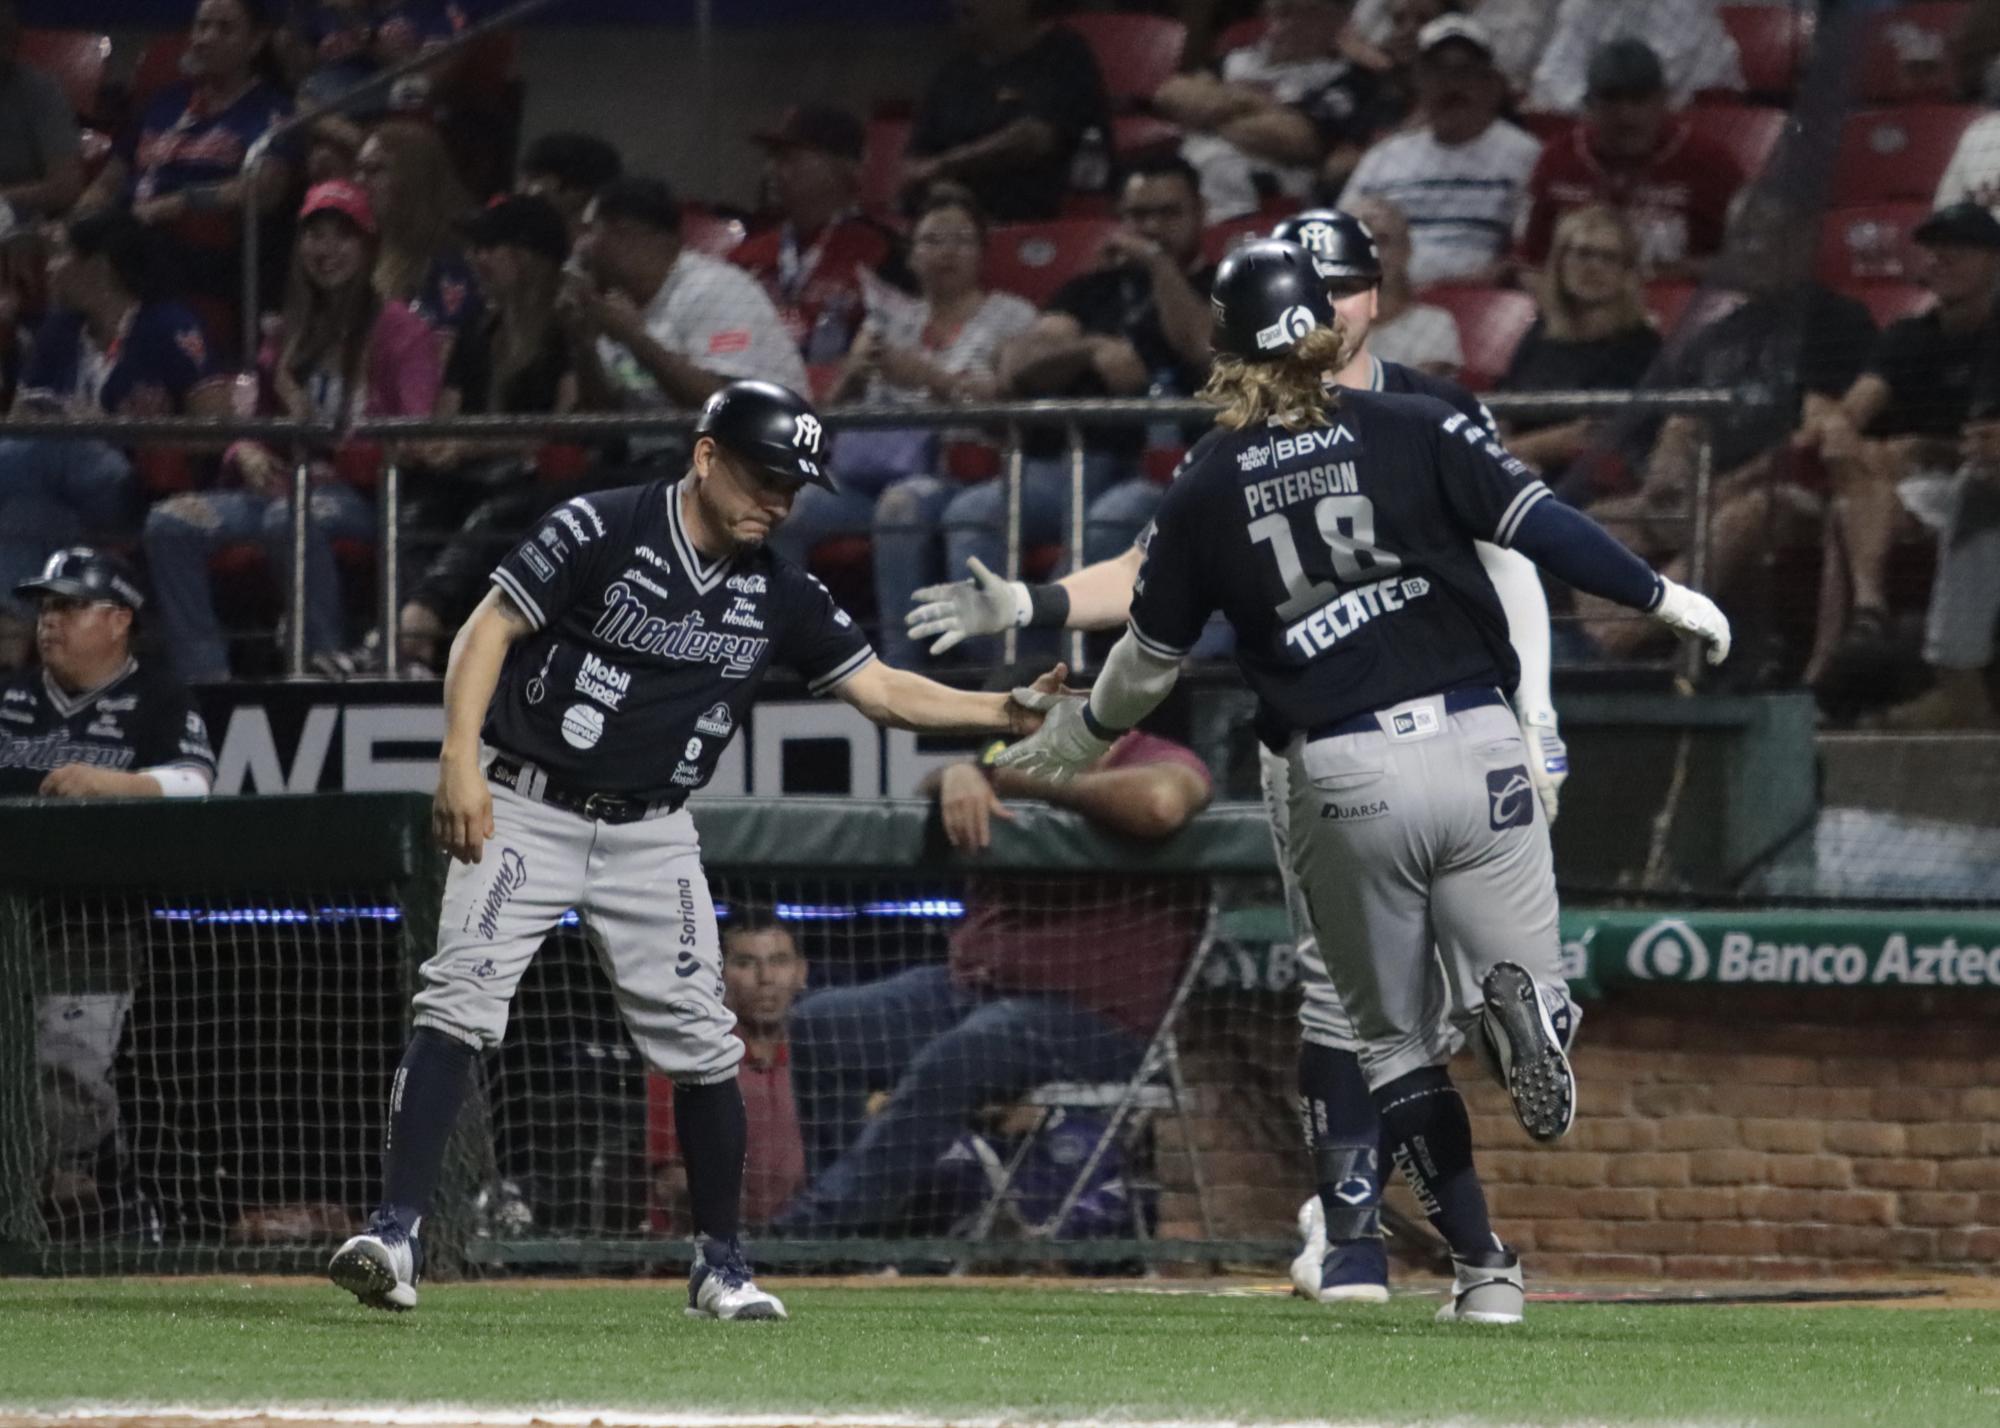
column 89, row 721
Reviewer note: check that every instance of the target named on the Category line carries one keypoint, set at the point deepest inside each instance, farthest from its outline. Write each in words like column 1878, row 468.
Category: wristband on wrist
column 1048, row 607
column 1097, row 730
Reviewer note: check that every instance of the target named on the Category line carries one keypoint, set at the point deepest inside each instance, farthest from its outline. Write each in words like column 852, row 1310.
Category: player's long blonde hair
column 1292, row 391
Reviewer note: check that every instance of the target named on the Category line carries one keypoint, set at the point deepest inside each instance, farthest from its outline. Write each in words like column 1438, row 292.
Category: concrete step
column 1954, row 778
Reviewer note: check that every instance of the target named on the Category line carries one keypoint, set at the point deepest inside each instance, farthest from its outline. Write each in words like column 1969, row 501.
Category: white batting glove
column 1062, row 748
column 1693, row 613
column 983, row 605
column 1548, row 758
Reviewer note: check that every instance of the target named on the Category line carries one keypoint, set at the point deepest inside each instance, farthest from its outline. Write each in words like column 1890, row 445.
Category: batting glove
column 1693, row 613
column 1062, row 748
column 1548, row 759
column 983, row 605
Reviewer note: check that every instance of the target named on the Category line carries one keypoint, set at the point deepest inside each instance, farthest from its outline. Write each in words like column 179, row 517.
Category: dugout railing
column 1004, row 424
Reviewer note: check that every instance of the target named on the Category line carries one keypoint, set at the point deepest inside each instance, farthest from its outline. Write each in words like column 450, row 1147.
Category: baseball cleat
column 720, row 1286
column 1306, row 1263
column 379, row 1266
column 1354, row 1272
column 1527, row 1052
column 1487, row 1292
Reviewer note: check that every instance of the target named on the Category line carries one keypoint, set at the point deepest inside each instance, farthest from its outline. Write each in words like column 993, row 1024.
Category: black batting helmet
column 1267, row 296
column 1340, row 244
column 81, row 573
column 771, row 427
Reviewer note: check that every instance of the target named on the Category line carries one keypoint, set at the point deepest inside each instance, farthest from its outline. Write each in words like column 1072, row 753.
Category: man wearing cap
column 811, row 263
column 91, row 722
column 659, row 326
column 1694, row 47
column 566, row 169
column 591, row 692
column 1632, row 153
column 1461, row 175
column 1903, row 419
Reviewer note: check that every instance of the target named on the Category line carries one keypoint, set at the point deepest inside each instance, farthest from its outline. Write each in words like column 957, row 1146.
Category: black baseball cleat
column 1527, row 1052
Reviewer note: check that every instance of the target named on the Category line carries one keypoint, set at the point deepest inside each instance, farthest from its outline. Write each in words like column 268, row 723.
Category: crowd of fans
column 1548, row 181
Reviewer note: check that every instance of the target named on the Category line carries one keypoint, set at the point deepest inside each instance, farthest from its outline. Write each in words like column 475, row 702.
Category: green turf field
column 941, row 1350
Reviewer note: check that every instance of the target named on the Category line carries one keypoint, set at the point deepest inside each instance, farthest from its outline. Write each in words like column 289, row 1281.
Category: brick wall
column 1724, row 1133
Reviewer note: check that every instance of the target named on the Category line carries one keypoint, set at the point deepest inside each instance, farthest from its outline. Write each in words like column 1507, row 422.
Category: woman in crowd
column 1592, row 335
column 340, row 352
column 415, row 192
column 941, row 348
column 182, row 167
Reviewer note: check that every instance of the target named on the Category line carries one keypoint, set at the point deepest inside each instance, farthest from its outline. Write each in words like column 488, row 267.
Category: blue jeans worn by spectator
column 182, row 532
column 911, row 515
column 55, row 494
column 947, row 1050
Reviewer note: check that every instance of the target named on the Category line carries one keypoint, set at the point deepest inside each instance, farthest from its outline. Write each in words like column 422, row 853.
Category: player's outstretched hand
column 462, row 809
column 1548, row 758
column 1062, row 748
column 1693, row 613
column 983, row 605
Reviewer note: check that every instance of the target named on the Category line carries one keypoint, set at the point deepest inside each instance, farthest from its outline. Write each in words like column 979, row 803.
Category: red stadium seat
column 1034, row 259
column 1139, row 136
column 159, row 66
column 1890, row 302
column 1136, row 54
column 1674, row 305
column 1239, row 36
column 1772, row 41
column 1906, row 53
column 1868, row 243
column 1749, row 132
column 1222, row 237
column 74, row 59
column 1897, row 153
column 1491, row 324
column 882, row 163
column 710, row 233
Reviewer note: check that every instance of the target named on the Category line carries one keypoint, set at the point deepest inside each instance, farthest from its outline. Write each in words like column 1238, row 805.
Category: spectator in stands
column 1789, row 332
column 1974, row 171
column 762, row 975
column 1631, row 152
column 514, row 361
column 568, row 169
column 940, row 348
column 661, row 326
column 182, row 167
column 114, row 344
column 1048, row 979
column 1396, row 38
column 415, row 193
column 1136, row 325
column 1592, row 333
column 1460, row 177
column 339, row 352
column 1006, row 115
column 41, row 151
column 1901, row 421
column 1416, row 334
column 811, row 263
column 1688, row 36
column 1282, row 111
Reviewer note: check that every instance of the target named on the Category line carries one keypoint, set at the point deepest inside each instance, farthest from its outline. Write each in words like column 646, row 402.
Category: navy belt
column 1456, row 701
column 604, row 807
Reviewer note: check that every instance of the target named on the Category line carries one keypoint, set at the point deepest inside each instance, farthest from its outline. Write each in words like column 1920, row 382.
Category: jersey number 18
column 1347, row 525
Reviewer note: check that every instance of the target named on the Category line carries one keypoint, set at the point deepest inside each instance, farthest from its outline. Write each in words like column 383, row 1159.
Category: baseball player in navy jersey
column 1335, row 532
column 1343, row 1258
column 590, row 693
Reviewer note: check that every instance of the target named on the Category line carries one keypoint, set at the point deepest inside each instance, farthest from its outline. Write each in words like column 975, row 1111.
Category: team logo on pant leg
column 509, row 877
column 1510, row 798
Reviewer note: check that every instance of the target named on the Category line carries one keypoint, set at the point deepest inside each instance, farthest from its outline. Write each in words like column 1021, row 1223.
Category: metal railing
column 1014, row 418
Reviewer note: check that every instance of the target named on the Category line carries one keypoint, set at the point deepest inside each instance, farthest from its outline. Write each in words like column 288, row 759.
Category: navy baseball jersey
column 1343, row 557
column 645, row 656
column 135, row 721
column 1400, row 381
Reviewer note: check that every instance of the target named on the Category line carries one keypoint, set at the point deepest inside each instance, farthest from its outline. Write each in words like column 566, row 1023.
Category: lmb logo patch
column 1510, row 798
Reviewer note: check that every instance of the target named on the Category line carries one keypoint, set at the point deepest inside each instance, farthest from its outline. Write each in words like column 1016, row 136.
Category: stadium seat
column 1897, row 153
column 73, row 58
column 1491, row 324
column 159, row 66
column 1749, row 132
column 1675, row 305
column 1890, row 302
column 1136, row 54
column 1140, row 136
column 1772, row 41
column 1034, row 259
column 1867, row 243
column 710, row 233
column 1906, row 53
column 1222, row 237
column 882, row 163
column 1241, row 35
